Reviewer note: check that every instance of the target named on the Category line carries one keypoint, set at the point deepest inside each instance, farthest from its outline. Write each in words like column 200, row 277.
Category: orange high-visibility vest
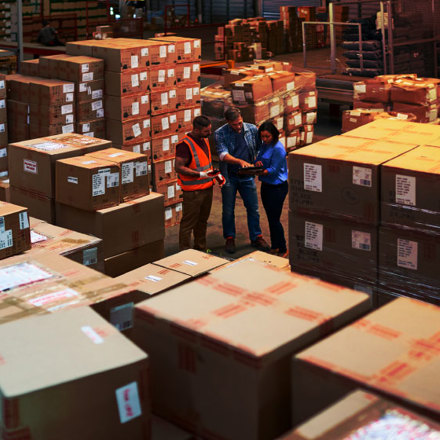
column 199, row 162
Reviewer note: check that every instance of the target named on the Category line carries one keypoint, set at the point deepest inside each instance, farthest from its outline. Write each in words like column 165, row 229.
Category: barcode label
column 24, row 220
column 122, row 316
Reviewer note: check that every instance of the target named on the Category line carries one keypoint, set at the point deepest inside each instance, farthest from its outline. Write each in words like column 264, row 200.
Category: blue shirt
column 275, row 162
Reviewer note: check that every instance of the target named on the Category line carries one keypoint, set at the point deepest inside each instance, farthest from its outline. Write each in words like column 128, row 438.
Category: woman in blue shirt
column 274, row 186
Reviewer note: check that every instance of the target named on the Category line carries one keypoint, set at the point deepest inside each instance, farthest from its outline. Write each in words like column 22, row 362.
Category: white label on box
column 3, row 152
column 85, row 127
column 128, row 402
column 164, row 98
column 313, row 234
column 2, row 84
column 144, row 52
column 362, row 176
column 432, row 94
column 84, row 68
column 161, row 76
column 186, row 72
column 136, row 130
column 68, row 128
column 88, row 162
column 97, row 94
column 295, row 101
column 171, row 73
column 290, row 85
column 171, row 48
column 2, row 224
column 196, row 44
column 274, row 111
column 146, row 146
column 141, row 169
column 406, row 190
column 189, row 93
column 146, row 123
column 69, row 119
column 153, row 278
column 173, row 119
column 122, row 316
column 311, row 101
column 68, row 108
column 116, row 154
column 433, row 115
column 168, row 214
column 20, row 275
column 171, row 192
column 165, row 144
column 174, row 139
column 163, row 51
column 179, row 207
column 134, row 108
column 197, row 111
column 135, row 80
column 2, row 103
column 100, row 113
column 360, row 88
column 355, row 113
column 49, row 298
column 407, row 254
column 112, row 180
column 173, row 94
column 312, row 177
column 69, row 88
column 30, row 166
column 82, row 87
column 36, row 237
column 292, row 141
column 87, row 77
column 69, row 97
column 4, row 174
column 134, row 62
column 190, row 263
column 143, row 76
column 401, row 116
column 187, row 47
column 196, row 67
column 6, row 239
column 72, row 179
column 136, row 148
column 361, row 240
column 238, row 95
column 2, row 128
column 298, row 119
column 127, row 173
column 90, row 256
column 98, row 184
column 97, row 105
column 165, row 123
column 168, row 166
column 95, row 337
column 309, row 137
column 187, row 115
column 144, row 99
column 311, row 118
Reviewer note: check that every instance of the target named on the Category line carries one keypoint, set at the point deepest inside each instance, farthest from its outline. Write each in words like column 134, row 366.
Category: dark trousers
column 273, row 197
column 196, row 210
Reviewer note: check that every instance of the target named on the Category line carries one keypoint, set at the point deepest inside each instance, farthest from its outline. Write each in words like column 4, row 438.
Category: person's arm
column 223, row 151
column 277, row 159
column 181, row 168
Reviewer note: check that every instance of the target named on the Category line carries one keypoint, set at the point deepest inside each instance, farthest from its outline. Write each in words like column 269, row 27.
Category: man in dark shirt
column 48, row 35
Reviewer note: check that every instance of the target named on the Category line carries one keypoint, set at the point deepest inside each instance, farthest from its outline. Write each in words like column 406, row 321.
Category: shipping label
column 313, row 236
column 141, row 169
column 129, row 406
column 43, row 300
column 312, row 177
column 122, row 316
column 407, row 253
column 98, row 184
column 24, row 220
column 30, row 166
column 127, row 173
column 90, row 256
column 406, row 190
column 21, row 274
column 6, row 240
column 362, row 176
column 361, row 240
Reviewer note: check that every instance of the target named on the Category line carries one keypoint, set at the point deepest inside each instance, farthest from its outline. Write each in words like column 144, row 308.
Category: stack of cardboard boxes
column 15, row 235
column 18, row 107
column 3, row 132
column 352, row 119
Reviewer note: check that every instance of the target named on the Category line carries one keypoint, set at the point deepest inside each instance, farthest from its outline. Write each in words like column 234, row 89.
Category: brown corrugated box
column 282, row 81
column 188, row 73
column 164, row 125
column 133, row 177
column 392, row 351
column 251, row 89
column 30, row 67
column 3, row 158
column 122, row 108
column 119, row 57
column 142, row 147
column 188, row 95
column 367, row 105
column 2, row 86
column 88, row 111
column 164, row 101
column 45, row 369
column 94, row 128
column 204, row 334
column 89, row 91
column 48, row 66
column 158, row 52
column 417, row 91
column 186, row 49
column 129, row 132
column 51, row 92
column 45, row 114
column 80, row 69
column 185, row 118
column 423, row 113
column 5, row 192
column 252, row 113
column 358, row 414
column 171, row 190
column 165, row 147
column 39, row 206
column 120, row 84
column 164, row 171
column 14, row 230
column 308, row 100
column 111, row 224
column 173, row 214
column 163, row 76
column 18, row 86
column 373, row 90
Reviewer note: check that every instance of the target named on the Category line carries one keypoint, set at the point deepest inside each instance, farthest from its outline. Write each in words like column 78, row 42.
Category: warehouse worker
column 193, row 164
column 48, row 35
column 237, row 146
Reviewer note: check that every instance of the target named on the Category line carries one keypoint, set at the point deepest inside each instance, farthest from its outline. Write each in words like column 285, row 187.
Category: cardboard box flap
column 9, row 208
column 191, row 262
column 425, row 159
column 254, row 308
column 49, row 350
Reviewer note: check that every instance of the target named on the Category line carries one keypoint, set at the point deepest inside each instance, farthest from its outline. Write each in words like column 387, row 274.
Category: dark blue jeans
column 248, row 191
column 273, row 197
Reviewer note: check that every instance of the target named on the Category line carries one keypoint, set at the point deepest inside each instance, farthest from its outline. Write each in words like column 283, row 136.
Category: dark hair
column 232, row 114
column 200, row 122
column 44, row 22
column 270, row 127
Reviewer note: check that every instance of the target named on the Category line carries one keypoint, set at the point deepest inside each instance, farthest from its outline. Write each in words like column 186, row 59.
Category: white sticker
column 290, row 86
column 295, row 101
column 144, row 99
column 164, row 98
column 361, row 240
column 127, row 173
column 146, row 123
column 69, row 97
column 97, row 94
column 116, row 154
column 165, row 123
column 87, row 77
column 238, row 95
column 136, row 148
column 274, row 111
column 168, row 166
column 173, row 119
column 187, row 115
column 311, row 101
column 144, row 52
column 432, row 94
column 85, row 127
column 362, row 176
column 112, row 180
column 313, row 233
column 401, row 116
column 168, row 214
column 312, row 177
column 162, row 51
column 36, row 237
column 68, row 108
column 21, row 274
column 407, row 254
column 190, row 263
column 122, row 316
column 143, row 76
column 173, row 93
column 71, row 179
column 146, row 146
column 52, row 297
column 134, row 61
column 136, row 130
column 90, row 256
column 311, row 118
column 100, row 113
column 165, row 144
column 98, row 184
column 298, row 120
column 6, row 240
column 135, row 108
column 171, row 48
column 189, row 93
column 187, row 72
column 84, row 68
column 89, row 162
column 360, row 88
column 171, row 192
column 309, row 137
column 2, row 84
column 95, row 337
column 179, row 207
column 3, row 152
column 128, row 402
column 30, row 166
column 153, row 278
column 174, row 138
column 141, row 169
column 68, row 88
column 135, row 80
column 68, row 128
column 161, row 76
column 187, row 47
column 171, row 73
column 82, row 87
column 96, row 105
column 196, row 44
column 406, row 190
column 69, row 119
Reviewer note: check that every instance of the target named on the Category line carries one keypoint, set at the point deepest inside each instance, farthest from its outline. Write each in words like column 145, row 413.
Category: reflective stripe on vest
column 196, row 156
column 195, row 182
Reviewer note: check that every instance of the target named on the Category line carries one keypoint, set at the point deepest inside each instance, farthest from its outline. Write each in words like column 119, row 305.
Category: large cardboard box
column 392, row 351
column 173, row 214
column 339, row 177
column 155, row 52
column 416, row 91
column 164, row 125
column 88, row 183
column 163, row 76
column 165, row 147
column 41, row 368
column 360, row 415
column 251, row 89
column 164, row 171
column 110, row 224
column 14, row 230
column 89, row 91
column 32, row 163
column 188, row 95
column 88, row 111
column 133, row 131
column 120, row 84
column 164, row 101
column 188, row 73
column 81, row 69
column 171, row 190
column 48, row 66
column 232, row 333
column 133, row 178
column 51, row 92
column 38, row 205
column 187, row 49
column 185, row 118
column 122, row 108
column 373, row 90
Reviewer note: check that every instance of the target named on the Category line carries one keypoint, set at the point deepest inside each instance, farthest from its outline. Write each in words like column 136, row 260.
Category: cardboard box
column 94, row 128
column 38, row 205
column 373, row 90
column 308, row 101
column 293, row 121
column 89, row 91
column 122, row 108
column 164, row 171
column 32, row 163
column 309, row 118
column 416, row 91
column 111, row 224
column 164, row 147
column 341, row 248
column 163, row 76
column 133, row 131
column 82, row 248
column 165, row 125
column 186, row 49
column 142, row 147
column 133, row 176
column 165, row 101
column 423, row 113
column 245, row 366
column 18, row 86
column 367, row 105
column 14, row 230
column 251, row 89
column 51, row 92
column 185, row 118
column 48, row 66
column 188, row 96
column 391, row 351
column 159, row 52
column 173, row 214
column 120, row 84
column 5, row 195
column 188, row 73
column 88, row 183
column 291, row 102
column 80, row 69
column 171, row 190
column 88, row 111
column 339, row 177
column 118, row 382
column 130, row 260
column 81, row 48
column 282, row 81
column 153, row 279
column 362, row 414
column 118, row 57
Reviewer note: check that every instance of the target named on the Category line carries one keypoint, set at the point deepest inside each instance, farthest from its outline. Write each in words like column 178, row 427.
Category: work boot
column 261, row 244
column 230, row 245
